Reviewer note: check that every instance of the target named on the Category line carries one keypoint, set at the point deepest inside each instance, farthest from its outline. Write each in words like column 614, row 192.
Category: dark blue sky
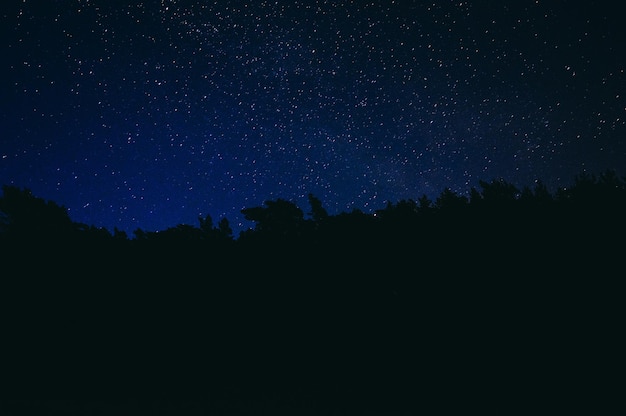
column 147, row 114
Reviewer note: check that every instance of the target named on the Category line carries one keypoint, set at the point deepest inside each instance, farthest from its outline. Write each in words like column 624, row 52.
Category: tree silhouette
column 224, row 229
column 498, row 193
column 278, row 218
column 25, row 214
column 450, row 200
column 318, row 212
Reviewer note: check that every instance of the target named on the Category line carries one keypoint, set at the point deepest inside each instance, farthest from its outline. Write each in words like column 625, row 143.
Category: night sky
column 147, row 114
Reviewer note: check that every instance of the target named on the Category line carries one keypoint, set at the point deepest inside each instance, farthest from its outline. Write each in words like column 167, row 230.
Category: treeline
column 498, row 297
column 25, row 217
column 492, row 222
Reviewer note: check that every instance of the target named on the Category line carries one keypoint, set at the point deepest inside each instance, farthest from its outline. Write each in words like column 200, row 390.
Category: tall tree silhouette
column 318, row 212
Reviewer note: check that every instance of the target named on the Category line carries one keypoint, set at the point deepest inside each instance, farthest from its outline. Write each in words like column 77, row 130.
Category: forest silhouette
column 496, row 300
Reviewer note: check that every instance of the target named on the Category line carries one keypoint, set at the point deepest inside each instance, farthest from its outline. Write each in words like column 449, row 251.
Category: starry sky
column 148, row 114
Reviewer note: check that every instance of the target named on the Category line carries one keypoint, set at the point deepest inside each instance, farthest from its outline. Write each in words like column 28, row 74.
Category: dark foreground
column 262, row 339
column 487, row 308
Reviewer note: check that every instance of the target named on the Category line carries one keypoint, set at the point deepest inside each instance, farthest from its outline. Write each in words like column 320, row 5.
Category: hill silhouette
column 503, row 300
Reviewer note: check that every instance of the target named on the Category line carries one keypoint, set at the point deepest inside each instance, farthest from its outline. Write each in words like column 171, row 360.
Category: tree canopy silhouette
column 345, row 307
